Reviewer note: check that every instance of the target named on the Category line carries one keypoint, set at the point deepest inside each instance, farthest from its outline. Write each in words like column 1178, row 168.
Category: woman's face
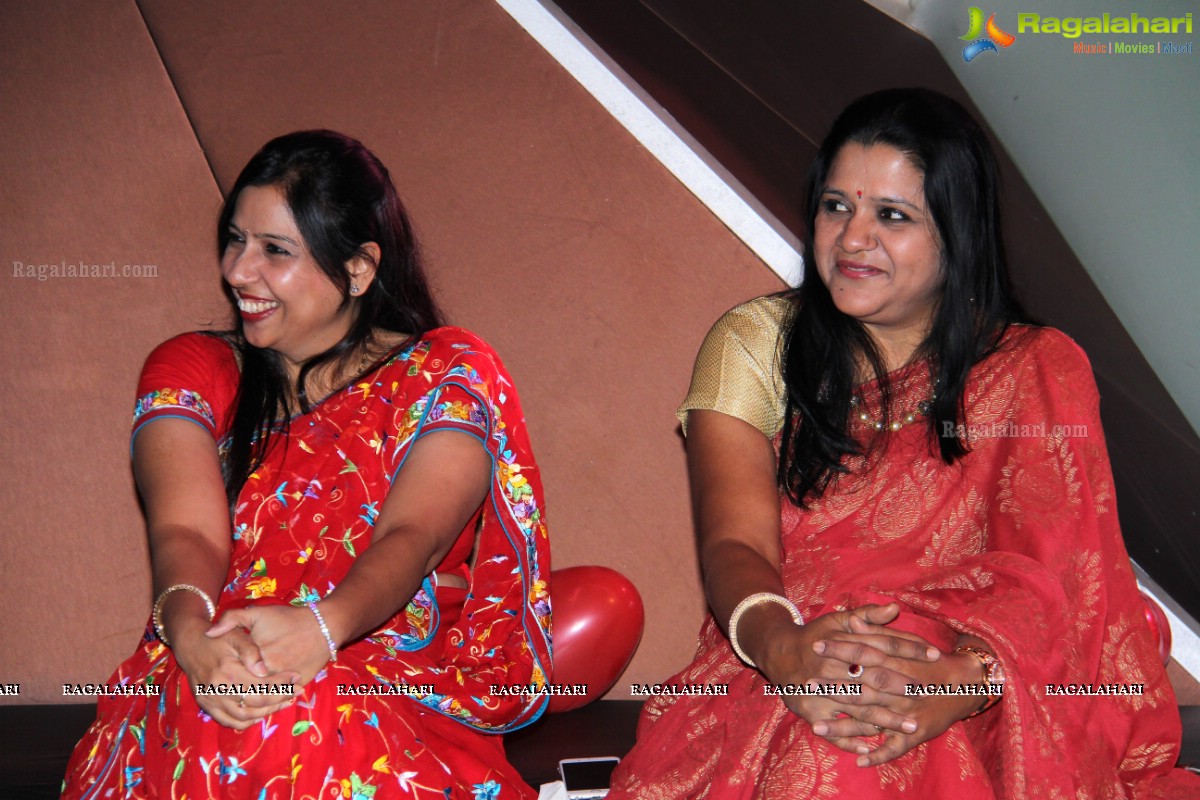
column 876, row 247
column 286, row 302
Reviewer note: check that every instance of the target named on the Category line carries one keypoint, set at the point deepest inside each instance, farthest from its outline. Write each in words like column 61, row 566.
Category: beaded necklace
column 922, row 410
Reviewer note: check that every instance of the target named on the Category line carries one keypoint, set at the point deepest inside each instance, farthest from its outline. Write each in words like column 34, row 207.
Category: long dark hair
column 342, row 198
column 824, row 348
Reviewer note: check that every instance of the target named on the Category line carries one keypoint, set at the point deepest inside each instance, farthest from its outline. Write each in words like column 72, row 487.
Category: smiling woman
column 286, row 303
column 877, row 252
column 316, row 483
column 890, row 595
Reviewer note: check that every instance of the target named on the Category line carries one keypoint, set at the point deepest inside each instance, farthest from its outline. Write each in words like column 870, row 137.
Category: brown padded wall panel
column 547, row 229
column 98, row 167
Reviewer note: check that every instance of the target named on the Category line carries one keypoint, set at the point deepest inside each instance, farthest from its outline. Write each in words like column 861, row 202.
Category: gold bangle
column 186, row 587
column 749, row 603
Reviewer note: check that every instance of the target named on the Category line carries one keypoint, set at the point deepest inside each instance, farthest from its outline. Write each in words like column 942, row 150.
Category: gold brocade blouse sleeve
column 737, row 371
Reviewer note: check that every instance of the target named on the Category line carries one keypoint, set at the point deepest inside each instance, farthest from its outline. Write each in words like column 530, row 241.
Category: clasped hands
column 255, row 645
column 823, row 652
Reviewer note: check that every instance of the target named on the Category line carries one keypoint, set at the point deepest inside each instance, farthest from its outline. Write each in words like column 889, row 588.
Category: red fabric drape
column 299, row 524
column 1018, row 544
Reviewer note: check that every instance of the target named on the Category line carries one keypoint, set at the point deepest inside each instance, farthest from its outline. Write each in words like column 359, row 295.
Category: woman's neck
column 896, row 347
column 326, row 379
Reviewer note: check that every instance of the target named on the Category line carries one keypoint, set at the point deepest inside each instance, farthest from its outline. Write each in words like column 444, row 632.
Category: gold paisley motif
column 902, row 771
column 1148, row 756
column 1039, row 491
column 800, row 766
column 957, row 740
column 1122, row 661
column 1081, row 585
column 962, row 532
column 754, row 755
column 990, row 401
column 897, row 513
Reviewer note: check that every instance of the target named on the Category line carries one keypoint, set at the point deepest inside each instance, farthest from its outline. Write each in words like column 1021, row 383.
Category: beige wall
column 98, row 166
column 547, row 228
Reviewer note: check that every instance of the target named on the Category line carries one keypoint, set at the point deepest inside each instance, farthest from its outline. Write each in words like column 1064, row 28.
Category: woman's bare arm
column 179, row 477
column 736, row 501
column 735, row 504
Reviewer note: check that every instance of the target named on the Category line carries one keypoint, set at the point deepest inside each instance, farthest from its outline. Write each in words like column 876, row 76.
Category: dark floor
column 36, row 741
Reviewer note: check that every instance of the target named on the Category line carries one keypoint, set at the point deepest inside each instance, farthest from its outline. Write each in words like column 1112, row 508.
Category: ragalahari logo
column 978, row 44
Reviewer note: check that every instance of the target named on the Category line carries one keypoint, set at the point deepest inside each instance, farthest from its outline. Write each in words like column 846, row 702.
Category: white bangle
column 179, row 587
column 749, row 603
column 312, row 606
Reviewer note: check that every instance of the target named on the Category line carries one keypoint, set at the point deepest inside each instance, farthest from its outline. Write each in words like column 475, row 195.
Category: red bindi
column 859, row 193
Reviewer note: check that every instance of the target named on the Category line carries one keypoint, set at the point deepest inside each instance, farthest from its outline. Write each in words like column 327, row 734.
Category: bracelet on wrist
column 312, row 606
column 993, row 676
column 749, row 603
column 179, row 587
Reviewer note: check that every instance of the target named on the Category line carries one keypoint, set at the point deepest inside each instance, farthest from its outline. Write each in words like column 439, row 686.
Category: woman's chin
column 863, row 309
column 255, row 338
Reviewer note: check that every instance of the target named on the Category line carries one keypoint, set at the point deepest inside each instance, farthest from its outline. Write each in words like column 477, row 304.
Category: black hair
column 822, row 348
column 342, row 198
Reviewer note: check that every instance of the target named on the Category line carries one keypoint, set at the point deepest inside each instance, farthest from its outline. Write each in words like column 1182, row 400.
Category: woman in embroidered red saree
column 888, row 457
column 387, row 560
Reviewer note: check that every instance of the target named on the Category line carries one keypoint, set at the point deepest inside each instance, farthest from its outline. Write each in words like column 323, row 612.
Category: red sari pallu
column 299, row 524
column 1017, row 544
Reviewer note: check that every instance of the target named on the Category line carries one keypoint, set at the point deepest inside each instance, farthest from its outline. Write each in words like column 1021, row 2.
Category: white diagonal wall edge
column 651, row 125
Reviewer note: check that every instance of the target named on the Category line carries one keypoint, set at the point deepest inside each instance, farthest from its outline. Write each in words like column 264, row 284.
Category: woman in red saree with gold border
column 394, row 701
column 1009, row 554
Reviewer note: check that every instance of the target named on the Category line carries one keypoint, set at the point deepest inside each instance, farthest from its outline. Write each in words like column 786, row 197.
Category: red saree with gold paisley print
column 1018, row 543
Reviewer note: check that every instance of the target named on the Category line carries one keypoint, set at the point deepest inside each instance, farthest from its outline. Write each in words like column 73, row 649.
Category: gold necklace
column 922, row 410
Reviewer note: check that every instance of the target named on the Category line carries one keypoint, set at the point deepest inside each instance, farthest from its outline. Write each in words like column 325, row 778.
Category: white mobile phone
column 587, row 778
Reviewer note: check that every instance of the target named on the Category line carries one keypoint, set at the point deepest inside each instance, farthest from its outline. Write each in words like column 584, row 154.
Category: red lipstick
column 856, row 270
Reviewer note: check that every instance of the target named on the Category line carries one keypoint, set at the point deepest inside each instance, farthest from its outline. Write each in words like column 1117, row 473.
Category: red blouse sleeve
column 192, row 377
column 466, row 383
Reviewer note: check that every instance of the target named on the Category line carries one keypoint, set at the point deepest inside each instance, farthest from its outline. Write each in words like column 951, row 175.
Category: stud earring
column 354, row 288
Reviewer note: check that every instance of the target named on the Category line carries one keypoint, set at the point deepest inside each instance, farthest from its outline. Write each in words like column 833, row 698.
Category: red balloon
column 1160, row 627
column 598, row 622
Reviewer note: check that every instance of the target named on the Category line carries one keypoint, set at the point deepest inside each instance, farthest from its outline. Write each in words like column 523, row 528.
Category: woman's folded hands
column 856, row 647
column 216, row 662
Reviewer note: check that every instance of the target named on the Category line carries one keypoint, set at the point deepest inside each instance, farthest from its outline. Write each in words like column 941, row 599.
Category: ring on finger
column 855, row 671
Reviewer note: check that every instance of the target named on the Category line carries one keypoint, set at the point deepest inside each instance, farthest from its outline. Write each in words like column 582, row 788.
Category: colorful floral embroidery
column 176, row 400
column 302, row 519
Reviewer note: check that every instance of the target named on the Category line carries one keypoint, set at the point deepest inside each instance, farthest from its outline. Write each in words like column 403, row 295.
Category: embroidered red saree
column 1017, row 544
column 299, row 524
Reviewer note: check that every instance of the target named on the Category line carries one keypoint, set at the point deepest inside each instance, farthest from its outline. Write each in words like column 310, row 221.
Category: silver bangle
column 749, row 603
column 312, row 606
column 179, row 587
